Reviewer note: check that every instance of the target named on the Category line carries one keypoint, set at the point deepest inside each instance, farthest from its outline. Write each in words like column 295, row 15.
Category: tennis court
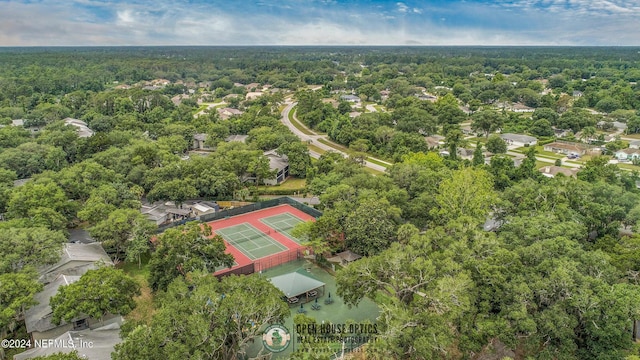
column 283, row 223
column 251, row 241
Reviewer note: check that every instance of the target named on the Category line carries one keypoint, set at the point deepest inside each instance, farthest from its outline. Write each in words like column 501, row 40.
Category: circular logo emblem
column 276, row 338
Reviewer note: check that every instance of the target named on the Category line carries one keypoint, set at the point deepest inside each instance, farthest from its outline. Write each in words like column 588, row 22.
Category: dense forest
column 463, row 254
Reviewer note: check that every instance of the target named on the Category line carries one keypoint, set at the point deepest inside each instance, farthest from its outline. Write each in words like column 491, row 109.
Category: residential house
column 236, row 138
column 200, row 142
column 252, row 87
column 278, row 163
column 160, row 213
column 333, row 102
column 634, row 144
column 75, row 260
column 230, row 96
column 434, row 141
column 465, row 154
column 577, row 93
column 617, row 125
column 39, row 318
column 427, row 97
column 561, row 133
column 83, row 130
column 552, row 171
column 177, row 100
column 466, row 129
column 628, row 154
column 203, row 208
column 519, row 140
column 350, row 98
column 17, row 122
column 566, row 148
column 354, row 114
column 520, row 108
column 96, row 344
column 253, row 95
column 226, row 113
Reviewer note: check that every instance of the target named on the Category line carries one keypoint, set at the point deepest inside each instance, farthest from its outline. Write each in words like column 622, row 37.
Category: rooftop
column 87, row 253
column 38, row 318
column 295, row 283
column 518, row 137
column 103, row 341
column 236, row 138
column 83, row 129
column 276, row 161
column 552, row 171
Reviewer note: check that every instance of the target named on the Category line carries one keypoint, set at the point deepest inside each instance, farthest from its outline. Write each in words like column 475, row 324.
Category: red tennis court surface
column 244, row 265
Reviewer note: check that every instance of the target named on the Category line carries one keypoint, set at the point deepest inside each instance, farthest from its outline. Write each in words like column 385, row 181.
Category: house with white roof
column 83, row 130
column 519, row 139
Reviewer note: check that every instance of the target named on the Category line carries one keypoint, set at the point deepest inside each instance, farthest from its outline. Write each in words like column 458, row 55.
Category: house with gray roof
column 553, row 171
column 280, row 165
column 200, row 142
column 39, row 318
column 519, row 140
column 83, row 130
column 75, row 260
column 163, row 212
column 350, row 98
column 634, row 144
column 236, row 138
column 226, row 113
column 97, row 344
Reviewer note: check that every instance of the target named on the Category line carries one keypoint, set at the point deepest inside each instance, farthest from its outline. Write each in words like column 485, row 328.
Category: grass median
column 303, row 129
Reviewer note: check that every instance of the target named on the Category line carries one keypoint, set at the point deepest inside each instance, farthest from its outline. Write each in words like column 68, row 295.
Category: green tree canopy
column 184, row 249
column 97, row 293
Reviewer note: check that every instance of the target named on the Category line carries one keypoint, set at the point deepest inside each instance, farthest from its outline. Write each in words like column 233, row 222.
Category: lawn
column 541, row 164
column 541, row 152
column 372, row 171
column 351, row 152
column 316, row 149
column 629, row 167
column 378, row 162
column 144, row 303
column 632, row 136
column 297, row 124
column 290, row 184
column 335, row 146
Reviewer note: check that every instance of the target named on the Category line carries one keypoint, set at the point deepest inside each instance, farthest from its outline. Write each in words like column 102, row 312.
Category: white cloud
column 321, row 22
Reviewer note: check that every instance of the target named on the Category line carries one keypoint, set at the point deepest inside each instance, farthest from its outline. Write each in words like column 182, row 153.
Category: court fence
column 242, row 270
column 261, row 205
column 267, row 262
column 223, row 214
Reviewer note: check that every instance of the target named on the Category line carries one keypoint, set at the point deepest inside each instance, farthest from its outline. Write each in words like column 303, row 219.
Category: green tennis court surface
column 251, row 241
column 283, row 223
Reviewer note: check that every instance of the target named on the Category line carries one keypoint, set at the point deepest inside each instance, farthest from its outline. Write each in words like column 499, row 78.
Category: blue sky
column 319, row 22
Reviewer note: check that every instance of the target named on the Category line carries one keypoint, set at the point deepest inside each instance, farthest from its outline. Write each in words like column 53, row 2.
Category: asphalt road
column 314, row 139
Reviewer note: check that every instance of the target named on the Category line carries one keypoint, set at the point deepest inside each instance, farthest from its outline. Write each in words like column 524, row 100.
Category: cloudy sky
column 319, row 22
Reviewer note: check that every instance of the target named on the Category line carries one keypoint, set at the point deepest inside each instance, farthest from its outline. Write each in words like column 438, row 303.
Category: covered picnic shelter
column 344, row 257
column 298, row 286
